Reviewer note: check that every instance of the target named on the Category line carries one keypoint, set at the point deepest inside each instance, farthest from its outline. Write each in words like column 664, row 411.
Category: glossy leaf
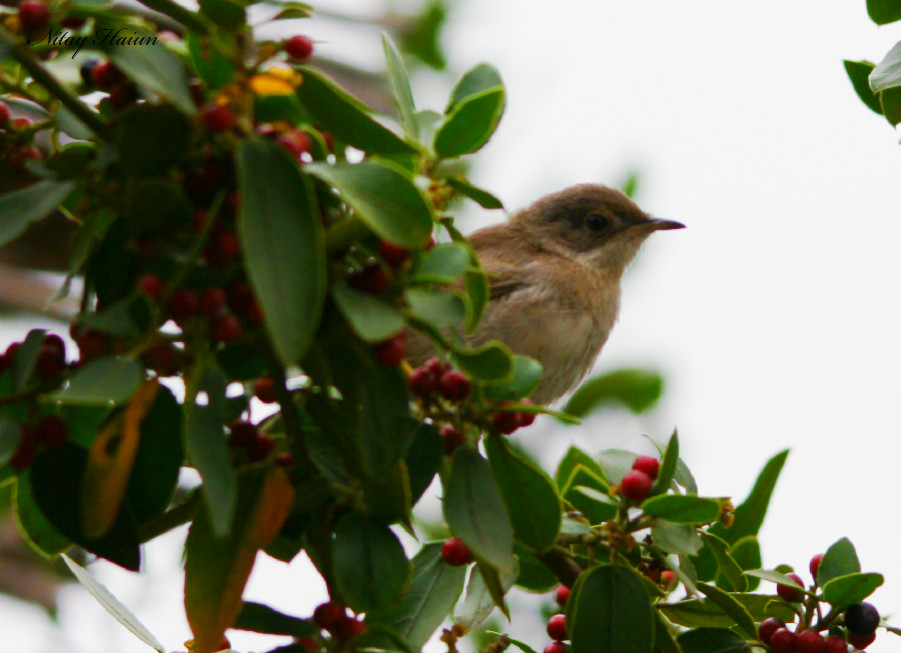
column 27, row 357
column 101, row 382
column 283, row 242
column 371, row 569
column 683, row 509
column 774, row 577
column 681, row 539
column 859, row 74
column 157, row 70
column 608, row 610
column 21, row 207
column 217, row 568
column 883, row 12
column 370, row 316
column 36, row 528
column 533, row 575
column 527, row 374
column 668, row 464
column 470, row 124
column 151, row 138
column 746, row 552
column 479, row 195
column 732, row 574
column 213, row 68
column 849, row 589
column 637, row 389
column 484, row 592
column 423, row 459
column 444, row 263
column 712, row 640
column 890, row 103
column 475, row 510
column 575, row 459
column 732, row 607
column 530, row 496
column 400, row 86
column 10, row 437
column 113, row 605
column 384, row 198
column 480, row 78
column 887, row 73
column 261, row 618
column 440, row 308
column 840, row 559
column 489, row 362
column 697, row 613
column 346, row 117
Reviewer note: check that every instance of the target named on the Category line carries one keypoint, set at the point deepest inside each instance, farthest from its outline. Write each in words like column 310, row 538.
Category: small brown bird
column 554, row 271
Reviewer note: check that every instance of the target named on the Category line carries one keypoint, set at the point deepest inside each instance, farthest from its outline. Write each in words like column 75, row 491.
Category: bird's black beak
column 659, row 224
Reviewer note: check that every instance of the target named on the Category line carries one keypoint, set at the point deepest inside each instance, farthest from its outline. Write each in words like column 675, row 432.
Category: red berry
column 525, row 419
column 648, row 465
column 51, row 362
column 218, row 118
column 555, row 647
column 23, row 155
column 789, row 593
column 296, row 141
column 860, row 642
column 264, row 389
column 240, row 298
column 299, row 47
column 34, row 15
column 226, row 328
column 810, row 641
column 162, row 358
column 423, row 382
column 373, row 278
column 636, row 486
column 53, row 340
column 22, row 122
column 454, row 385
column 53, row 430
column 284, row 459
column 28, row 447
column 556, row 627
column 394, row 255
column 105, row 75
column 243, row 434
column 389, row 353
column 328, row 615
column 4, row 113
column 91, row 345
column 152, row 285
column 349, row 628
column 212, row 300
column 436, row 366
column 505, row 421
column 562, row 595
column 452, row 438
column 815, row 565
column 260, row 448
column 861, row 618
column 182, row 304
column 782, row 641
column 123, row 94
column 222, row 249
column 668, row 579
column 835, row 644
column 455, row 552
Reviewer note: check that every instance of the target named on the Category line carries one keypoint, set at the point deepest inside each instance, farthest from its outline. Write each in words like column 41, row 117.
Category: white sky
column 776, row 316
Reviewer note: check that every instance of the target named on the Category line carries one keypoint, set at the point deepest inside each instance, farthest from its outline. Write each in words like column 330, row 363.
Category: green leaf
column 434, row 588
column 608, row 610
column 849, row 589
column 475, row 280
column 157, row 70
column 490, row 362
column 423, row 459
column 732, row 607
column 475, row 511
column 533, row 575
column 479, row 195
column 712, row 640
column 839, row 560
column 485, row 590
column 527, row 374
column 668, row 464
column 371, row 569
column 746, row 552
column 470, row 124
column 400, row 85
column 20, row 208
column 616, row 463
column 101, row 382
column 386, row 427
column 370, row 316
column 638, row 389
column 207, row 449
column 10, row 437
column 228, row 14
column 424, row 36
column 283, row 244
column 859, row 74
column 41, row 535
column 481, row 78
column 531, row 497
column 732, row 573
column 112, row 605
column 890, row 103
column 383, row 197
column 27, row 357
column 151, row 138
column 522, row 646
column 347, row 117
column 576, row 459
column 696, row 613
column 156, row 205
column 444, row 263
column 211, row 65
column 440, row 308
column 887, row 73
column 682, row 539
column 683, row 509
column 774, row 577
column 261, row 618
column 883, row 12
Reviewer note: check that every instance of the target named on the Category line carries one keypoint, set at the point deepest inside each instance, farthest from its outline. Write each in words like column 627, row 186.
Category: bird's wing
column 503, row 278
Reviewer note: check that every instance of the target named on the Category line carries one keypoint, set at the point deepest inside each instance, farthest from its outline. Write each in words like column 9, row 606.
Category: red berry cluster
column 435, row 376
column 556, row 630
column 506, row 421
column 246, row 437
column 50, row 431
column 50, row 364
column 103, row 75
column 333, row 618
column 17, row 146
column 637, row 484
column 455, row 552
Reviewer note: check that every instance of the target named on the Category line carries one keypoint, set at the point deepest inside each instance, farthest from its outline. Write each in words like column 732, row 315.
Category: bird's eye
column 597, row 223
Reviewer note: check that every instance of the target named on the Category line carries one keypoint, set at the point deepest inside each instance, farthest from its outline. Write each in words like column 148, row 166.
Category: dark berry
column 452, row 438
column 394, row 255
column 815, row 565
column 648, row 465
column 525, row 419
column 260, row 449
column 243, row 434
column 23, row 155
column 51, row 362
column 299, row 47
column 284, row 459
column 453, row 385
column 212, row 300
column 423, row 382
column 4, row 113
column 240, row 298
column 226, row 328
column 835, row 644
column 860, row 642
column 87, row 72
column 373, row 278
column 264, row 389
column 122, row 95
column 861, row 619
column 105, row 75
column 182, row 304
column 296, row 141
column 505, row 421
column 12, row 352
column 436, row 366
column 636, row 486
column 74, row 22
column 53, row 430
column 556, row 627
column 389, row 353
column 218, row 118
column 91, row 344
column 34, row 16
column 782, row 641
column 53, row 340
column 810, row 641
column 328, row 615
column 562, row 595
column 348, row 628
column 152, row 285
column 455, row 552
column 555, row 647
column 28, row 447
column 789, row 593
column 162, row 358
column 222, row 249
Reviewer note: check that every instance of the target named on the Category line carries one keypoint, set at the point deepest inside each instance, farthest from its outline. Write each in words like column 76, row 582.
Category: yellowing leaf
column 110, row 462
column 217, row 569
